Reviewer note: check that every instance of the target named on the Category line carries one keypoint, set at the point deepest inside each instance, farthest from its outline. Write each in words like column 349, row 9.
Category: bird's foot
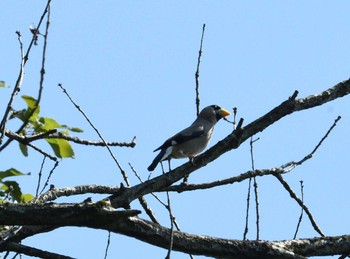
column 185, row 181
column 191, row 158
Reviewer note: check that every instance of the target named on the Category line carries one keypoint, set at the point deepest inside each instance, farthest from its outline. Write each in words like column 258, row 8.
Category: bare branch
column 317, row 146
column 231, row 180
column 54, row 193
column 301, row 204
column 15, row 91
column 197, row 71
column 53, row 158
column 172, row 218
column 39, row 177
column 98, row 133
column 108, row 243
column 59, row 135
column 302, row 210
column 49, row 176
column 142, row 200
column 31, row 251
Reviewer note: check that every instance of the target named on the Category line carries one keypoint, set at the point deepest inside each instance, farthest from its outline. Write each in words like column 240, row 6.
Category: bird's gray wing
column 185, row 135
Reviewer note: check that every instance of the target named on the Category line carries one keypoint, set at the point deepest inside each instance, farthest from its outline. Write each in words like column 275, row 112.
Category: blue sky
column 130, row 66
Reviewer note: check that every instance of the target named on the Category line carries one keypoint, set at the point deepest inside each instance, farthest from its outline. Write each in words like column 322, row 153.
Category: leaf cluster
column 10, row 190
column 36, row 124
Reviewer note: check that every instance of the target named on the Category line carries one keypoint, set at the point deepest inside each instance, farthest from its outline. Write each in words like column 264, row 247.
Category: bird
column 192, row 140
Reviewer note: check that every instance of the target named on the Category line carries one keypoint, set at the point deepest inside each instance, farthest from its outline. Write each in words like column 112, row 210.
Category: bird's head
column 213, row 113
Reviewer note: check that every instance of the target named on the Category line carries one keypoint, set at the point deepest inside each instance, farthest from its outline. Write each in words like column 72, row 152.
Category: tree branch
column 127, row 223
column 54, row 193
column 54, row 134
column 31, row 251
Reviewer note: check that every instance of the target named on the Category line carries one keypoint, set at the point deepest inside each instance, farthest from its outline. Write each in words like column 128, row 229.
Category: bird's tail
column 156, row 160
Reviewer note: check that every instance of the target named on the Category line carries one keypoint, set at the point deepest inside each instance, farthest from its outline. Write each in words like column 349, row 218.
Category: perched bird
column 192, row 140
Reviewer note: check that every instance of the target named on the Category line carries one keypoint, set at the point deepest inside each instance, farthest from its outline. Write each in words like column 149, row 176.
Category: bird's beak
column 224, row 112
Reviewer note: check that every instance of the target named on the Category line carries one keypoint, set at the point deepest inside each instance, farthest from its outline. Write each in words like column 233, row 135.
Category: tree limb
column 31, row 251
column 127, row 223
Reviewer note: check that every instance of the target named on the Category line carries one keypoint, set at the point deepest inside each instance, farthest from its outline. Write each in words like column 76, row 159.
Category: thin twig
column 256, row 196
column 76, row 140
column 235, row 179
column 53, row 134
column 98, row 133
column 257, row 212
column 15, row 91
column 49, row 176
column 302, row 210
column 234, row 117
column 301, row 204
column 108, row 243
column 255, row 190
column 42, row 70
column 197, row 71
column 292, row 164
column 247, row 210
column 234, row 122
column 39, row 177
column 171, row 226
column 53, row 158
column 320, row 143
column 142, row 200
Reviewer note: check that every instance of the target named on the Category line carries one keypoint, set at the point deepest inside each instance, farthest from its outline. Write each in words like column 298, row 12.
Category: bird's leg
column 169, row 165
column 185, row 181
column 162, row 167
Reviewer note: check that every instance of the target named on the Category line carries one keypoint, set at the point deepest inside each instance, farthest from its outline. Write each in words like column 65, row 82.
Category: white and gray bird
column 192, row 140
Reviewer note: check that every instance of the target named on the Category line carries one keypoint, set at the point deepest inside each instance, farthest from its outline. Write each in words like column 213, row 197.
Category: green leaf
column 2, row 84
column 49, row 124
column 24, row 149
column 74, row 129
column 10, row 172
column 25, row 198
column 13, row 189
column 31, row 103
column 61, row 147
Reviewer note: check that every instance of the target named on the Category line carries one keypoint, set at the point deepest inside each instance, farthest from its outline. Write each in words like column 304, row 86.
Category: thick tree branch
column 55, row 193
column 127, row 223
column 55, row 214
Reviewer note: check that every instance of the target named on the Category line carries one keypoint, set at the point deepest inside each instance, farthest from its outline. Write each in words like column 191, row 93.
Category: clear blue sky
column 130, row 66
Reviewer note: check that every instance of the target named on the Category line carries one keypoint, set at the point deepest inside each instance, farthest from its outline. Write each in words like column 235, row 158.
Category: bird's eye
column 216, row 107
